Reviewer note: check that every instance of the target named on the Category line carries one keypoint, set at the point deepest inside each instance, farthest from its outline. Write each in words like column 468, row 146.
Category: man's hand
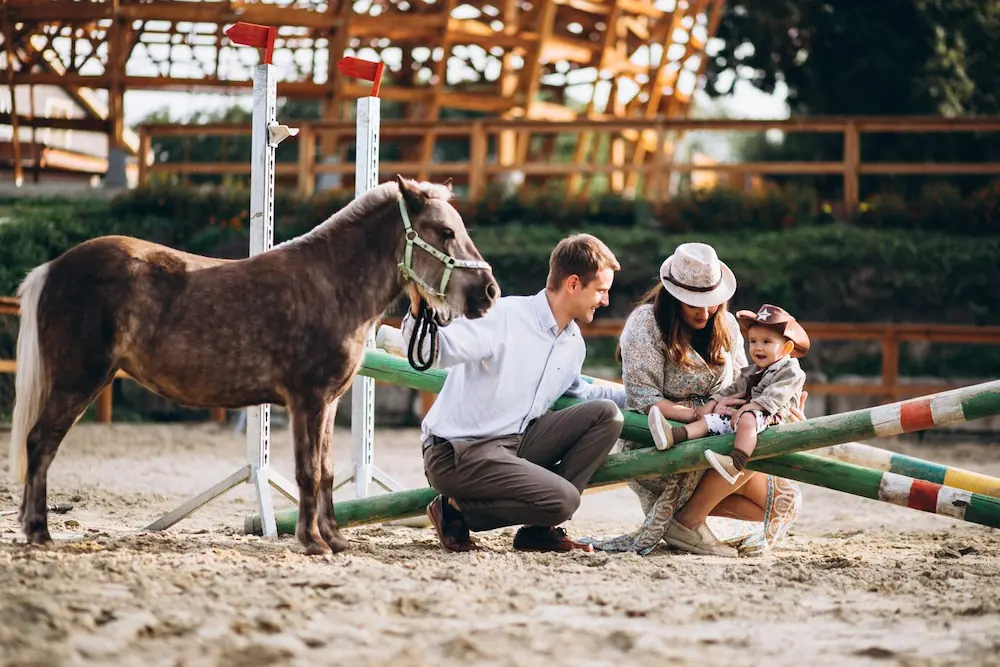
column 414, row 295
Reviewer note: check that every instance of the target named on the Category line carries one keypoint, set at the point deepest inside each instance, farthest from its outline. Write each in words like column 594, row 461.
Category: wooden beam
column 15, row 138
column 79, row 124
column 169, row 10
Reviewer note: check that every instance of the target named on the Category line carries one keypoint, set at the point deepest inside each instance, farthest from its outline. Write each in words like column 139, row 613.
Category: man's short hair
column 582, row 255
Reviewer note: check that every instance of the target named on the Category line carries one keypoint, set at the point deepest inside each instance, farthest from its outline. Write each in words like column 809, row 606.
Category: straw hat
column 695, row 276
column 777, row 318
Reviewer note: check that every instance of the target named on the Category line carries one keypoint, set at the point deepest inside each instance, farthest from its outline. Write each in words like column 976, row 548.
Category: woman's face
column 697, row 318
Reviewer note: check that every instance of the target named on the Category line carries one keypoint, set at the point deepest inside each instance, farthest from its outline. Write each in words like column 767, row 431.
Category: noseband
column 450, row 263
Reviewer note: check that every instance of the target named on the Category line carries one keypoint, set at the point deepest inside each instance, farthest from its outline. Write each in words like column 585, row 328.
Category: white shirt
column 507, row 368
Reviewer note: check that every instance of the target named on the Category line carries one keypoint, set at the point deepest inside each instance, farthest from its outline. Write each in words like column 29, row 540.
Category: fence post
column 477, row 162
column 890, row 363
column 145, row 143
column 852, row 168
column 307, row 161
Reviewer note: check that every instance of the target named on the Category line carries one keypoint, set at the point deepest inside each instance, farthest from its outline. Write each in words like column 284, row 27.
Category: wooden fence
column 891, row 336
column 526, row 147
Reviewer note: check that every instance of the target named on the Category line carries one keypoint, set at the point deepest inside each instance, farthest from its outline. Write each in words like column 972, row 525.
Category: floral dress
column 650, row 376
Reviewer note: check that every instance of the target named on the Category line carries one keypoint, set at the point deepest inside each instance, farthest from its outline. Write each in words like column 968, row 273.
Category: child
column 772, row 384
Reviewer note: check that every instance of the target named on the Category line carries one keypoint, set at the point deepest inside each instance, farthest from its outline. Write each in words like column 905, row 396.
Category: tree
column 906, row 57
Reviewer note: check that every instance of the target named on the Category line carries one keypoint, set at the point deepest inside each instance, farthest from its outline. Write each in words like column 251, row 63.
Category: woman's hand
column 798, row 414
column 725, row 405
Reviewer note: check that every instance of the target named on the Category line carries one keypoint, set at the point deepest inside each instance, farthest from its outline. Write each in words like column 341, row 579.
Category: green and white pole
column 930, row 411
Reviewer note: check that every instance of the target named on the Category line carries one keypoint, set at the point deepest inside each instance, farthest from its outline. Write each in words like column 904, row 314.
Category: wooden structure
column 544, row 60
column 890, row 336
column 486, row 164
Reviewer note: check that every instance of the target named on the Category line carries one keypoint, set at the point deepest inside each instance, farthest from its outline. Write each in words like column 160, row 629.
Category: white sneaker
column 660, row 429
column 698, row 541
column 723, row 465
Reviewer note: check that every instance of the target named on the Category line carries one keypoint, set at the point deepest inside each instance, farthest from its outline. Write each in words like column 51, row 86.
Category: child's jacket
column 776, row 389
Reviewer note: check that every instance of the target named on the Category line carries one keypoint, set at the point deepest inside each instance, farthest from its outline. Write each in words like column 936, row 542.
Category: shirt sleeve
column 593, row 390
column 642, row 360
column 784, row 385
column 462, row 341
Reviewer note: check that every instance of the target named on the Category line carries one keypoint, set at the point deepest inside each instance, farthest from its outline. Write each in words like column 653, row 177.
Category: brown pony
column 286, row 327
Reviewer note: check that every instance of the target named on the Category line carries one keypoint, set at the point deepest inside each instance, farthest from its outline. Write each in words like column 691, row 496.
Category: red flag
column 251, row 34
column 362, row 69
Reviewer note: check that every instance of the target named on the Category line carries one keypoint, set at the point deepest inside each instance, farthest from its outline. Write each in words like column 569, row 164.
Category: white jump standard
column 363, row 470
column 266, row 135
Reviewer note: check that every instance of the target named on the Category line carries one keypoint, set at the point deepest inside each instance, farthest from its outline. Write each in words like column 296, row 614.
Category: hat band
column 692, row 288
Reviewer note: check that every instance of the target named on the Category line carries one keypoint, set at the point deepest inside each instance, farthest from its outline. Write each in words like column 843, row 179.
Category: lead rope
column 424, row 326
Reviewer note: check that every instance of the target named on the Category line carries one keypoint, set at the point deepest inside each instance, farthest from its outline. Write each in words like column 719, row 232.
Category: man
column 492, row 449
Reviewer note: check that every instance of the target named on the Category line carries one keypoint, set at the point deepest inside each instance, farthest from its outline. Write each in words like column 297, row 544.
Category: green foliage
column 836, row 272
column 906, row 57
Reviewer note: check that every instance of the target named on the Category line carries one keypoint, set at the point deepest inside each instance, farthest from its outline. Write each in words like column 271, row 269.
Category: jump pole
column 266, row 134
column 884, row 460
column 778, row 447
column 390, row 339
column 366, row 172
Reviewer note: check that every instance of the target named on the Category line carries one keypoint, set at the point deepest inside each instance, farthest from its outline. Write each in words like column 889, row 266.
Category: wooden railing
column 891, row 336
column 498, row 147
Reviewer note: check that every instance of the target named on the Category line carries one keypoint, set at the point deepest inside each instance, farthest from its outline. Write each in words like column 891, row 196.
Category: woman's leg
column 747, row 503
column 713, row 490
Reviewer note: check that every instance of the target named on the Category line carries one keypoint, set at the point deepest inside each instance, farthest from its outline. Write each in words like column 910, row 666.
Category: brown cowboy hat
column 775, row 317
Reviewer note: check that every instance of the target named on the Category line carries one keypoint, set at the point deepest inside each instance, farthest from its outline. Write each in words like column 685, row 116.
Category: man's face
column 588, row 298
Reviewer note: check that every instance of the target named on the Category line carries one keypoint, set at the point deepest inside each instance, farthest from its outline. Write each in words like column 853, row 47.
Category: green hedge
column 837, row 271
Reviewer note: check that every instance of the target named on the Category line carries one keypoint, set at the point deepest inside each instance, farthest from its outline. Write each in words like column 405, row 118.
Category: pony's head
column 439, row 256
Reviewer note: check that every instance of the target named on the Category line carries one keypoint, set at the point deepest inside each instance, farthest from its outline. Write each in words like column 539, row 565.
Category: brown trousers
column 535, row 478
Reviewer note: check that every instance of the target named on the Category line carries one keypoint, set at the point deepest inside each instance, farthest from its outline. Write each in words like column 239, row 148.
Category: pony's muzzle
column 481, row 300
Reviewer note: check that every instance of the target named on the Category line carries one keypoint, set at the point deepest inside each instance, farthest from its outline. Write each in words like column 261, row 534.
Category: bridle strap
column 450, row 263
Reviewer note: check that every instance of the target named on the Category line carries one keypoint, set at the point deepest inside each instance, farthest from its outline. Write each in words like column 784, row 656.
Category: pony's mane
column 363, row 206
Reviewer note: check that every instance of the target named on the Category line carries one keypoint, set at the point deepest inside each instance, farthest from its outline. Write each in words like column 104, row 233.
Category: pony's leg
column 308, row 420
column 63, row 408
column 327, row 517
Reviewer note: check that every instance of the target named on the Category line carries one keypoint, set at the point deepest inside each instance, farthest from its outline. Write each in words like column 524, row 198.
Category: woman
column 677, row 348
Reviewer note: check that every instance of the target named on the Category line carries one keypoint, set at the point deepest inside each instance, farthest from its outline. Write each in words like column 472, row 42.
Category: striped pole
column 884, row 486
column 908, row 466
column 806, row 468
column 934, row 410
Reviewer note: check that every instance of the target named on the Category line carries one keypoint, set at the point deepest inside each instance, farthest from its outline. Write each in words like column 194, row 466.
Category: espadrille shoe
column 723, row 464
column 660, row 429
column 698, row 541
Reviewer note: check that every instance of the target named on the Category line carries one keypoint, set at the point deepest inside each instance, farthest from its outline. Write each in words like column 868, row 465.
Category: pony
column 285, row 327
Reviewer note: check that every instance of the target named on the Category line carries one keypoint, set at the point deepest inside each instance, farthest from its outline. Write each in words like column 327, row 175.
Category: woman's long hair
column 709, row 342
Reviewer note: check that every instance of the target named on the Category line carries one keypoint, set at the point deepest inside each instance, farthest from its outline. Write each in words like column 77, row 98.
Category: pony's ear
column 412, row 195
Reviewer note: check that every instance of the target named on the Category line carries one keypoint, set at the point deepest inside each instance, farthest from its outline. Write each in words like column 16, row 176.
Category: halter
column 450, row 263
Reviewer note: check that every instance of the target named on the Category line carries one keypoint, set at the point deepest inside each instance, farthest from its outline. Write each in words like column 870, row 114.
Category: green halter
column 406, row 269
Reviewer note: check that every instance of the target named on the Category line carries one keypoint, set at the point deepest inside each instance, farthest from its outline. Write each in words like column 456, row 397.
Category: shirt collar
column 546, row 320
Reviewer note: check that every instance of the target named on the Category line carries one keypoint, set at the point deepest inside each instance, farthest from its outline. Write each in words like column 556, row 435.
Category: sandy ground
column 856, row 583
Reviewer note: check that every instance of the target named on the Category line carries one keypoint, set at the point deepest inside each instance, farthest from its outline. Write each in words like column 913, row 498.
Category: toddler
column 771, row 384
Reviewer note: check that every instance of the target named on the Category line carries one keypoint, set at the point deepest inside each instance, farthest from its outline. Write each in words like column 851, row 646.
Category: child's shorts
column 721, row 425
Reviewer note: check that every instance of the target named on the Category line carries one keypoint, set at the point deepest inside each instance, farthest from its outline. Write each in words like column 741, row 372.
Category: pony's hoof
column 317, row 549
column 38, row 536
column 337, row 542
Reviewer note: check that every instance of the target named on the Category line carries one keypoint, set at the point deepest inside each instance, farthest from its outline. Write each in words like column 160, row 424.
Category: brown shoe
column 453, row 534
column 544, row 538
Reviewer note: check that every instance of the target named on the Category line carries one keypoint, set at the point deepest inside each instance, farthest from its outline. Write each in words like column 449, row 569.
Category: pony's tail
column 30, row 387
